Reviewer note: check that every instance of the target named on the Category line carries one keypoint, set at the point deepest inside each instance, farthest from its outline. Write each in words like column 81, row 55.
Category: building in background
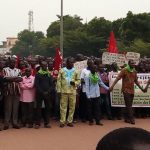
column 7, row 45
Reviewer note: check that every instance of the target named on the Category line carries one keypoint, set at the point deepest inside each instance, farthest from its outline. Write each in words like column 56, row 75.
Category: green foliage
column 79, row 37
column 132, row 34
column 47, row 46
column 117, row 26
column 54, row 29
column 70, row 24
column 21, row 49
column 28, row 43
column 141, row 47
column 136, row 27
column 99, row 27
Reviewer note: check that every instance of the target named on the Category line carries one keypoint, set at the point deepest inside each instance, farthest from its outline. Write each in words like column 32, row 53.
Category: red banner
column 57, row 63
column 112, row 44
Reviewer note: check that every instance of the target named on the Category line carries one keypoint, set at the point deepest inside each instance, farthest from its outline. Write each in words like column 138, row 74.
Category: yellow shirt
column 63, row 86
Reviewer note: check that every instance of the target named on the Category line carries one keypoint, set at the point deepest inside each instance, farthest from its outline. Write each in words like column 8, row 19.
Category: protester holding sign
column 105, row 101
column 129, row 77
column 116, row 111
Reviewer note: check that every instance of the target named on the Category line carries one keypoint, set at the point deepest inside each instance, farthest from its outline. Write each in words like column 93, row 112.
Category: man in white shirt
column 83, row 98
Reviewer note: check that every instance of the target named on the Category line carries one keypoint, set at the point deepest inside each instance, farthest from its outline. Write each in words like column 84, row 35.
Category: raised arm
column 120, row 75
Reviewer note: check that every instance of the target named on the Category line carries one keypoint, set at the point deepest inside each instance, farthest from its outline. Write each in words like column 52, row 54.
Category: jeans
column 106, row 104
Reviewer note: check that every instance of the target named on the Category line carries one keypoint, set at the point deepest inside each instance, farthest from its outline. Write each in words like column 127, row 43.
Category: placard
column 109, row 58
column 140, row 99
column 80, row 65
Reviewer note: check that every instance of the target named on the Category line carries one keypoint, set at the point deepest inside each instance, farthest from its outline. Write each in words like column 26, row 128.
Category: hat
column 14, row 56
column 37, row 65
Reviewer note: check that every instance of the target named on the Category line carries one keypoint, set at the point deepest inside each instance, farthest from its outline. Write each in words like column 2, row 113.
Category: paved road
column 80, row 137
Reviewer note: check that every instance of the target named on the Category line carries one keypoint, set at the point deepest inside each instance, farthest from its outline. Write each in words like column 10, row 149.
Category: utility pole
column 61, row 29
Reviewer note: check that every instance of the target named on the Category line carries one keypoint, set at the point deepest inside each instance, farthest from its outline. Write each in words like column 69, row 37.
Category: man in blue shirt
column 92, row 83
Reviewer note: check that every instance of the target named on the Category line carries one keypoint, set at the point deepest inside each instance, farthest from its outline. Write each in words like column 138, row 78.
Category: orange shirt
column 128, row 80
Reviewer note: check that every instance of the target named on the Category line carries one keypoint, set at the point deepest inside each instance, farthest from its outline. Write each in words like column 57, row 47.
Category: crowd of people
column 31, row 96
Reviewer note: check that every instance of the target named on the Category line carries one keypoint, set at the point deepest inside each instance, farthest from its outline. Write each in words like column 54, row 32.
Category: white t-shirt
column 84, row 74
column 8, row 72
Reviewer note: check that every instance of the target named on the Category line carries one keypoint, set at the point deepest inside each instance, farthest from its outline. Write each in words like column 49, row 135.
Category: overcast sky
column 14, row 13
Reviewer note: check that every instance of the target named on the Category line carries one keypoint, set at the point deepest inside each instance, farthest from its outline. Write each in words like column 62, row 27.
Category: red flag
column 17, row 61
column 112, row 44
column 57, row 63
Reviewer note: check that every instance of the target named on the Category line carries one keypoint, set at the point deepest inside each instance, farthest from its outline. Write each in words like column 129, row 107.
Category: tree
column 132, row 34
column 47, row 46
column 136, row 27
column 116, row 27
column 99, row 27
column 27, row 43
column 21, row 49
column 70, row 24
column 54, row 29
column 141, row 47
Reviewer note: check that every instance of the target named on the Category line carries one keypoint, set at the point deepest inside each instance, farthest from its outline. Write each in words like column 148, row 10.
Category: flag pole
column 61, row 29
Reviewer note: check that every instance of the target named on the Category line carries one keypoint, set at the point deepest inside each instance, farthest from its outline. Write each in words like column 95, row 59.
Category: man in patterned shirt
column 129, row 77
column 12, row 94
column 67, row 82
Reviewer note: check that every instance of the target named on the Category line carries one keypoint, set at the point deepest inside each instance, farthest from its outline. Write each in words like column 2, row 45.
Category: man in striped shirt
column 12, row 94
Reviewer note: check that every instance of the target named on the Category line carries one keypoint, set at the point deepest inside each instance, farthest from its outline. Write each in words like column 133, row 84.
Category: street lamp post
column 61, row 29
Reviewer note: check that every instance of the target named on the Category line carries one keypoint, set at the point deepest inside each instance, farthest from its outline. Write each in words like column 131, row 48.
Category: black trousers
column 27, row 112
column 83, row 106
column 128, row 98
column 93, row 109
column 39, row 100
